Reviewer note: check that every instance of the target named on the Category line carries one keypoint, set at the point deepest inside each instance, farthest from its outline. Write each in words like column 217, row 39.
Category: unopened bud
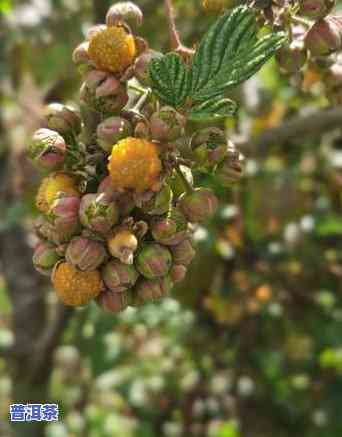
column 170, row 230
column 167, row 124
column 63, row 215
column 183, row 253
column 47, row 149
column 85, row 254
column 178, row 273
column 325, row 36
column 154, row 261
column 199, row 205
column 48, row 231
column 112, row 301
column 62, row 119
column 150, row 290
column 141, row 66
column 98, row 212
column 112, row 130
column 124, row 11
column 45, row 257
column 122, row 245
column 119, row 276
column 103, row 92
column 209, row 147
column 316, row 9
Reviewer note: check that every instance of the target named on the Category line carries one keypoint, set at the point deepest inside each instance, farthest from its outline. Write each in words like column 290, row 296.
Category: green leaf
column 230, row 53
column 213, row 109
column 170, row 79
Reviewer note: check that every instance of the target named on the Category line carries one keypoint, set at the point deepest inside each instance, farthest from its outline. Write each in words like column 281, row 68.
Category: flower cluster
column 118, row 203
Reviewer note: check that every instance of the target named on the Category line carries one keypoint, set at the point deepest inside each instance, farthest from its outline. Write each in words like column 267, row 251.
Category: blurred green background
column 250, row 345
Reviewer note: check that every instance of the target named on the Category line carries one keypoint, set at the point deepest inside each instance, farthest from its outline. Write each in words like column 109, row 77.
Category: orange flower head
column 112, row 49
column 73, row 287
column 51, row 186
column 134, row 164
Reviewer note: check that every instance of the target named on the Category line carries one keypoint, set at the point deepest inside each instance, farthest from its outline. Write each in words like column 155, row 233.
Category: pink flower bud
column 63, row 215
column 170, row 230
column 109, row 87
column 113, row 302
column 47, row 231
column 80, row 54
column 94, row 79
column 47, row 149
column 154, row 261
column 178, row 273
column 62, row 119
column 124, row 11
column 183, row 253
column 199, row 205
column 85, row 254
column 98, row 212
column 119, row 276
column 141, row 65
column 152, row 289
column 316, row 9
column 112, row 130
column 45, row 257
column 167, row 124
column 103, row 92
column 325, row 36
column 292, row 58
column 209, row 147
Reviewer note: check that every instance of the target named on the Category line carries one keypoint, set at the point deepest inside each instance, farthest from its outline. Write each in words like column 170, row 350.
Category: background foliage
column 251, row 346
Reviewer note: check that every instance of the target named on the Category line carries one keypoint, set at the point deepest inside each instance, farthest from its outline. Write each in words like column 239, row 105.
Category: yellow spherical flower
column 134, row 164
column 74, row 287
column 51, row 186
column 112, row 49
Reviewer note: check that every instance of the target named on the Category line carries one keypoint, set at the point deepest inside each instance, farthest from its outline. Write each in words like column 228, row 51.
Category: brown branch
column 176, row 43
column 297, row 128
column 50, row 340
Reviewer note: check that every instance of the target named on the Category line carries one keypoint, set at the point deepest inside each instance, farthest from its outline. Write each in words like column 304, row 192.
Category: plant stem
column 176, row 43
column 300, row 20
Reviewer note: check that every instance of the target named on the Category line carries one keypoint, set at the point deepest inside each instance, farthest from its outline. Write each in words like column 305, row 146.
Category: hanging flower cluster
column 118, row 205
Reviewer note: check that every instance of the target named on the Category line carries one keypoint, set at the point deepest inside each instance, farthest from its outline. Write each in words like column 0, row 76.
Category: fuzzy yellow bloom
column 74, row 287
column 51, row 186
column 134, row 164
column 112, row 49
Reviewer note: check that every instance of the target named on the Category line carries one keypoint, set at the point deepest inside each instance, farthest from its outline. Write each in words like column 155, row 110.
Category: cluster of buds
column 118, row 206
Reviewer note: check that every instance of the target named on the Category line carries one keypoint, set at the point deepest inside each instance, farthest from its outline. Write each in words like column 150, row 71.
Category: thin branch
column 295, row 129
column 51, row 340
column 176, row 43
